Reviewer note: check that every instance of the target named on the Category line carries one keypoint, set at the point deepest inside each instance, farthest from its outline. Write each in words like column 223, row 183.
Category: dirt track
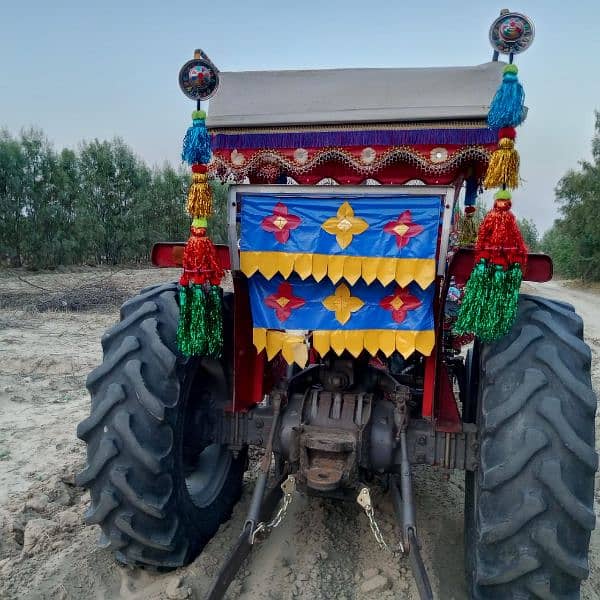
column 322, row 550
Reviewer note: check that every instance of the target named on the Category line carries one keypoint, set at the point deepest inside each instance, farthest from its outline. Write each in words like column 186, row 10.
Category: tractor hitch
column 404, row 507
column 247, row 538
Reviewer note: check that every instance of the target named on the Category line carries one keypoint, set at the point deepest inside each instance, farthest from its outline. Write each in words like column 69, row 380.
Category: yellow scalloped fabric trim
column 294, row 349
column 336, row 266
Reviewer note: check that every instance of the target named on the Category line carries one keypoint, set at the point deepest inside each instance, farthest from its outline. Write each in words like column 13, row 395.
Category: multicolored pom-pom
column 200, row 328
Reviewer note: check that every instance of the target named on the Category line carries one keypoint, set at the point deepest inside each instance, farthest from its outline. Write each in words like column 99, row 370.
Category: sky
column 81, row 70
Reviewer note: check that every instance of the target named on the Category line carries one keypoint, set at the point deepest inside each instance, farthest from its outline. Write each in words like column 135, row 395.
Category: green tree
column 99, row 204
column 12, row 200
column 162, row 208
column 574, row 240
column 113, row 184
column 530, row 234
column 561, row 247
column 217, row 224
column 69, row 228
column 41, row 188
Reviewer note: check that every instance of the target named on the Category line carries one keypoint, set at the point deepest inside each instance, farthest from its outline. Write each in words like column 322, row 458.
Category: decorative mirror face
column 199, row 79
column 511, row 33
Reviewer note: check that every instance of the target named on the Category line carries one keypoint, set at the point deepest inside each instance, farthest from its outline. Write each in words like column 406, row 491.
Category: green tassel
column 473, row 300
column 183, row 327
column 200, row 328
column 197, row 329
column 214, row 317
column 489, row 306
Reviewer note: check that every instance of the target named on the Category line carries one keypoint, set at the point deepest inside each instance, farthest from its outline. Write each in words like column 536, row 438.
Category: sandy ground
column 322, row 550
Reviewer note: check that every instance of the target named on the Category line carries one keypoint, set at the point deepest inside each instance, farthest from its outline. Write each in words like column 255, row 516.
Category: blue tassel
column 196, row 143
column 471, row 192
column 507, row 108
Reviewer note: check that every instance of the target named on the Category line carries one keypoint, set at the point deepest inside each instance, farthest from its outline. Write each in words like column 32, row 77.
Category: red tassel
column 499, row 240
column 200, row 262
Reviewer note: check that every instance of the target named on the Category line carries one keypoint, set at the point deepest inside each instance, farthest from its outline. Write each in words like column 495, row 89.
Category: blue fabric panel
column 310, row 238
column 313, row 315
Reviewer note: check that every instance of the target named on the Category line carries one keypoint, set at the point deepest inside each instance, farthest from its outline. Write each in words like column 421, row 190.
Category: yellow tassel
column 503, row 169
column 199, row 201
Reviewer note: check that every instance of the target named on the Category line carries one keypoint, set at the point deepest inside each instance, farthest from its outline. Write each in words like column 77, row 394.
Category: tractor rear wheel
column 157, row 492
column 529, row 508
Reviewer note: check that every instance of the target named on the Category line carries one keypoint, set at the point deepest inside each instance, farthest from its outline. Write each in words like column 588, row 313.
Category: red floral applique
column 280, row 223
column 403, row 228
column 400, row 302
column 284, row 301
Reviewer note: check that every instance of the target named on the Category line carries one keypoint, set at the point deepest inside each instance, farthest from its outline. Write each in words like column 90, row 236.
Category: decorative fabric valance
column 433, row 148
column 339, row 317
column 372, row 238
column 340, row 272
column 455, row 134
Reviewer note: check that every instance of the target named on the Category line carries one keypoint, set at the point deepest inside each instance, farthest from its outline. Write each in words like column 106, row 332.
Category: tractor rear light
column 170, row 254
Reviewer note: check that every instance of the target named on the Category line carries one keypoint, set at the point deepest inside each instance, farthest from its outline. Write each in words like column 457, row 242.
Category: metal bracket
column 288, row 487
column 364, row 501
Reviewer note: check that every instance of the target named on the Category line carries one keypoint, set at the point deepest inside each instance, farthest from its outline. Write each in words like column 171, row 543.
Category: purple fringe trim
column 326, row 139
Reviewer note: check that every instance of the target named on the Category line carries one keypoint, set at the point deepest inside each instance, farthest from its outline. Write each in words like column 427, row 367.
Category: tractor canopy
column 337, row 269
column 352, row 126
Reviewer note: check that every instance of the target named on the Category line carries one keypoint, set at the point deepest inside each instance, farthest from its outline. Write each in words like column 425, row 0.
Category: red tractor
column 340, row 357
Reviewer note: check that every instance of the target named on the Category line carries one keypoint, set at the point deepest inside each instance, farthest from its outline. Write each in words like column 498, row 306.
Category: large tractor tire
column 529, row 508
column 158, row 494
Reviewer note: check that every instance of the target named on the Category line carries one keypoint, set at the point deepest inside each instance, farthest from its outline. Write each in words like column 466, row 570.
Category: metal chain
column 364, row 500
column 288, row 487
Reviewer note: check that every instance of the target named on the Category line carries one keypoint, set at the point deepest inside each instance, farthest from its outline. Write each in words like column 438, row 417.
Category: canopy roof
column 345, row 96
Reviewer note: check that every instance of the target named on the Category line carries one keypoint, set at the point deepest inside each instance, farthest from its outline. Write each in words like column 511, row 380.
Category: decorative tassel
column 199, row 200
column 500, row 240
column 491, row 296
column 467, row 227
column 507, row 108
column 214, row 321
column 503, row 170
column 471, row 189
column 200, row 329
column 196, row 143
column 200, row 261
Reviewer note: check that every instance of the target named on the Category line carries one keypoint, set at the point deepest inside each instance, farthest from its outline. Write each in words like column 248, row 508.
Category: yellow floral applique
column 342, row 303
column 345, row 225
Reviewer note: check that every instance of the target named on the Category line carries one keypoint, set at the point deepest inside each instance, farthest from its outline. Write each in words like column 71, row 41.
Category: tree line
column 574, row 239
column 99, row 204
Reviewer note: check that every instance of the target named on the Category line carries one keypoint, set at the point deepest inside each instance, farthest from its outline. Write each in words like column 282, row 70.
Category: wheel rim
column 206, row 469
column 205, row 482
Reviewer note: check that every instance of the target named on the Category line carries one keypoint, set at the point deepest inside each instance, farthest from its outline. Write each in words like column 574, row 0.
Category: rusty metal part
column 330, row 437
column 364, row 501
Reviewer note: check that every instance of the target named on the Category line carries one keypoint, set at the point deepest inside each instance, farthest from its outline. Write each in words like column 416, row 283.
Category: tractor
column 340, row 354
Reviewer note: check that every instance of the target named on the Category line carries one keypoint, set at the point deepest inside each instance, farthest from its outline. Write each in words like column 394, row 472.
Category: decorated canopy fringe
column 351, row 268
column 293, row 345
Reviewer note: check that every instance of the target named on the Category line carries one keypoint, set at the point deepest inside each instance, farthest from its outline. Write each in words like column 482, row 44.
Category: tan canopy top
column 350, row 96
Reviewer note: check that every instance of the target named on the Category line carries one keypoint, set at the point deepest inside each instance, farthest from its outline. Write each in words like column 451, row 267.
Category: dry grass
column 97, row 293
